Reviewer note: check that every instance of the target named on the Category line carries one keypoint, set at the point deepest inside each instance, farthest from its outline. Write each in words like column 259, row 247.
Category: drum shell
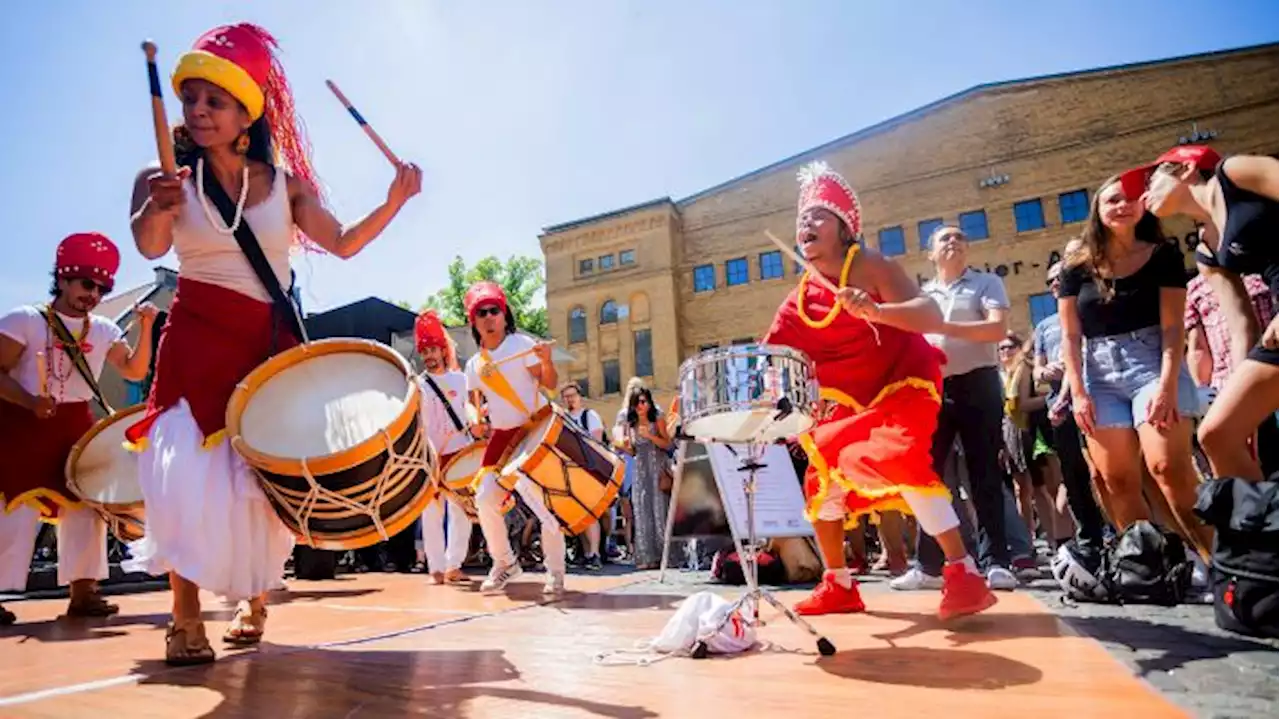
column 127, row 520
column 731, row 394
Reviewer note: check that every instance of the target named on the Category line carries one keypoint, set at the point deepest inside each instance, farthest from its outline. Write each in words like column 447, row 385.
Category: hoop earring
column 242, row 144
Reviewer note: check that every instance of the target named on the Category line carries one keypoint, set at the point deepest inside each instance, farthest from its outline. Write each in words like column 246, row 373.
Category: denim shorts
column 1122, row 375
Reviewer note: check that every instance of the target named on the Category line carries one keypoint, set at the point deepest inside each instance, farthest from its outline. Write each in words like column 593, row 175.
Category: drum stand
column 748, row 605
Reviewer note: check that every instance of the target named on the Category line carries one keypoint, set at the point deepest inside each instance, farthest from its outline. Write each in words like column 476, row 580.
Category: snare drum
column 104, row 475
column 332, row 429
column 578, row 476
column 748, row 393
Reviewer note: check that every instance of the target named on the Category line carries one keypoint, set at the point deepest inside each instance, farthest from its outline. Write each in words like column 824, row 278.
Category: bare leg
column 1249, row 396
column 1116, row 453
column 1168, row 455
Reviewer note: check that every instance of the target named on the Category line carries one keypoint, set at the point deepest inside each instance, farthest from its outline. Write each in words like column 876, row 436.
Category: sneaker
column 593, row 563
column 554, row 586
column 499, row 576
column 915, row 580
column 963, row 592
column 1026, row 568
column 1001, row 579
column 831, row 598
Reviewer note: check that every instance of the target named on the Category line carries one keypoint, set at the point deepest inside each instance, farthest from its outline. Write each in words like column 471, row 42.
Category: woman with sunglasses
column 45, row 410
column 1235, row 200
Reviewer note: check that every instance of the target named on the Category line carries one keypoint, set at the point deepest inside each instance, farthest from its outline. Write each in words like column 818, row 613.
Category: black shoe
column 593, row 563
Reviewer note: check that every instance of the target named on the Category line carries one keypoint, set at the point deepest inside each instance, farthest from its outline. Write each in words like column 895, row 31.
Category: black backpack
column 1147, row 566
column 1245, row 569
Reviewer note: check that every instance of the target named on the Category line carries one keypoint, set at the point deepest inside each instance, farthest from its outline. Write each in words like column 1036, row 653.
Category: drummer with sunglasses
column 45, row 410
column 507, row 376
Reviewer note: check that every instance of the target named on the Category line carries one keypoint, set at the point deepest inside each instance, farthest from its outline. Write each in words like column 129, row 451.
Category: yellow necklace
column 835, row 307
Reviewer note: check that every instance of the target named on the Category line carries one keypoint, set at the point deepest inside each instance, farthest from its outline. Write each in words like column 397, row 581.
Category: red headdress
column 821, row 186
column 484, row 292
column 1202, row 157
column 88, row 255
column 242, row 59
column 428, row 331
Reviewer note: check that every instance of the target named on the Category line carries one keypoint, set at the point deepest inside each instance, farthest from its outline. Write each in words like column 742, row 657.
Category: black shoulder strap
column 72, row 348
column 253, row 252
column 447, row 406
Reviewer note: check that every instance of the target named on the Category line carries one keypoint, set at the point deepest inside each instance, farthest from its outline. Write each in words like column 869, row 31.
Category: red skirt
column 35, row 455
column 214, row 338
column 875, row 452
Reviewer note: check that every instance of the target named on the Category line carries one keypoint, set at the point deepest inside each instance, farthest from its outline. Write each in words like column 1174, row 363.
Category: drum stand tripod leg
column 748, row 605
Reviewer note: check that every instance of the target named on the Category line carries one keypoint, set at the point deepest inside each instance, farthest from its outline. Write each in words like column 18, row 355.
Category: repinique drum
column 332, row 429
column 458, row 479
column 579, row 477
column 748, row 393
column 104, row 475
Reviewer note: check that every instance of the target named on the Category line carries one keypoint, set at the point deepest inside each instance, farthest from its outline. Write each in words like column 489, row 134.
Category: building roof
column 369, row 318
column 605, row 215
column 118, row 306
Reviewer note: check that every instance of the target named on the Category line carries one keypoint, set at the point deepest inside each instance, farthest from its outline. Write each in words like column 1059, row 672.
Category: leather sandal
column 94, row 606
column 246, row 628
column 7, row 617
column 186, row 645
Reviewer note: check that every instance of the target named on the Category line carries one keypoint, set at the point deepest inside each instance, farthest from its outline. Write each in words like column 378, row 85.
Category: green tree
column 520, row 277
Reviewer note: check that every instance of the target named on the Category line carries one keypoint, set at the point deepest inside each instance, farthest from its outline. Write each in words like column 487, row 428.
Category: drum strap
column 73, row 350
column 248, row 242
column 491, row 375
column 457, row 422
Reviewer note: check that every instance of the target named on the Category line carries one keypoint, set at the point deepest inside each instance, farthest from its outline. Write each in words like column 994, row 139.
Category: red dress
column 883, row 388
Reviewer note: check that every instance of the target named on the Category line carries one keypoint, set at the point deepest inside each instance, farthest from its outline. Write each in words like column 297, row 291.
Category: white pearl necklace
column 204, row 204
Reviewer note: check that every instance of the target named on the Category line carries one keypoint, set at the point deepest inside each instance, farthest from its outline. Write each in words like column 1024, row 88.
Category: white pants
column 933, row 512
column 489, row 506
column 442, row 556
column 82, row 546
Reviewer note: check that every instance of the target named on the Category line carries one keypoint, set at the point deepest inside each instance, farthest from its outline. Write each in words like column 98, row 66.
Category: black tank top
column 1249, row 241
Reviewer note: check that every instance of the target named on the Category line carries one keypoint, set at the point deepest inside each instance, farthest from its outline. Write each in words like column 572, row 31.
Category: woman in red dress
column 880, row 384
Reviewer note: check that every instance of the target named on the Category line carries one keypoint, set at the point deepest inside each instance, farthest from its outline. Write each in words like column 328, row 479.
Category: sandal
column 455, row 576
column 93, row 607
column 186, row 645
column 246, row 628
column 7, row 617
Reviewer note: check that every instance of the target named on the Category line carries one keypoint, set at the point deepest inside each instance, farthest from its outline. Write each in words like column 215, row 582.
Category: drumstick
column 42, row 374
column 391, row 156
column 164, row 138
column 522, row 353
column 821, row 278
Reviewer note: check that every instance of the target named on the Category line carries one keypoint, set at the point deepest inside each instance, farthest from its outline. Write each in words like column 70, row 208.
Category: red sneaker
column 963, row 593
column 831, row 598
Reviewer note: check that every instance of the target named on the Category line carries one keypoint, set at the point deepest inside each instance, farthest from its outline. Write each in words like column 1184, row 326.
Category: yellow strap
column 493, row 378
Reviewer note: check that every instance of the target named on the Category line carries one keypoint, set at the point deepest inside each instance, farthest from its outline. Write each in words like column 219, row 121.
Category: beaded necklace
column 57, row 374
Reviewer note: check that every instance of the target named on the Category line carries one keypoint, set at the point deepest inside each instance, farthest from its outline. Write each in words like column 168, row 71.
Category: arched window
column 609, row 313
column 577, row 325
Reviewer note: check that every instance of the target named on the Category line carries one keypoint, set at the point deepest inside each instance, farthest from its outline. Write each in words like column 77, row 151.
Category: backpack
column 1244, row 571
column 1147, row 566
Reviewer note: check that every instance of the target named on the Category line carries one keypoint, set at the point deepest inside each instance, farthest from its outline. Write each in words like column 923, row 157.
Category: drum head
column 101, row 470
column 325, row 404
column 463, row 467
column 521, row 452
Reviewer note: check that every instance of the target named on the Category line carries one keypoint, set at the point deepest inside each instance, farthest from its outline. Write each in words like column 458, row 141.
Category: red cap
column 484, row 293
column 428, row 331
column 821, row 186
column 1202, row 157
column 88, row 255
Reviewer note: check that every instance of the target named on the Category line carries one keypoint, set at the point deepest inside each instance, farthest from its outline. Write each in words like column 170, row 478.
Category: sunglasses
column 89, row 285
column 1008, row 348
column 490, row 310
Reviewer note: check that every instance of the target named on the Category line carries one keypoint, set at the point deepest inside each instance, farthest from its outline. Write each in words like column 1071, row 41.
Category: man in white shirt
column 591, row 423
column 444, row 419
column 50, row 359
column 508, row 375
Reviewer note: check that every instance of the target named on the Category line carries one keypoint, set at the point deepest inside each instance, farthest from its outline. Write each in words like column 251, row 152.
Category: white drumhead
column 465, row 464
column 749, row 426
column 324, row 405
column 530, row 442
column 105, row 471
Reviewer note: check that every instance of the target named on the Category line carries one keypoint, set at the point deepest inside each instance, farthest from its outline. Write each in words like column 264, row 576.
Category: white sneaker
column 555, row 584
column 499, row 576
column 1001, row 579
column 915, row 580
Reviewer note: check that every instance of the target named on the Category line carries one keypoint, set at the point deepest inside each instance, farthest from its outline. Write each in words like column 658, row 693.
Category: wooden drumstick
column 815, row 274
column 391, row 156
column 521, row 354
column 164, row 137
column 42, row 374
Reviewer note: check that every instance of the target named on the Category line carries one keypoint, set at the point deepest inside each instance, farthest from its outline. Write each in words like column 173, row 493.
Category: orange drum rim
column 458, row 456
column 329, row 463
column 81, row 444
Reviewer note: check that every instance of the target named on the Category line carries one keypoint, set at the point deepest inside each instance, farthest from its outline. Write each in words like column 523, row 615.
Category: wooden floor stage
column 379, row 645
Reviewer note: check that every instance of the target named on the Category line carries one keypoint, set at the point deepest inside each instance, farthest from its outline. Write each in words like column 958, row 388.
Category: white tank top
column 205, row 255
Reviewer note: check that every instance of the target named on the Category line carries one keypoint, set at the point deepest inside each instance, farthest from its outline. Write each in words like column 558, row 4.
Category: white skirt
column 207, row 518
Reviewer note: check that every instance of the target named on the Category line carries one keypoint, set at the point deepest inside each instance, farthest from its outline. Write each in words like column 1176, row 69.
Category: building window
column 736, row 272
column 584, row 386
column 1073, row 206
column 627, row 257
column 1028, row 215
column 609, row 313
column 893, row 242
column 704, row 278
column 606, row 263
column 644, row 353
column 586, row 267
column 577, row 325
column 926, row 228
column 771, row 265
column 974, row 225
column 612, row 381
column 1042, row 305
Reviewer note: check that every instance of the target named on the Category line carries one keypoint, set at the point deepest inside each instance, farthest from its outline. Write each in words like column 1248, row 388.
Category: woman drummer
column 208, row 523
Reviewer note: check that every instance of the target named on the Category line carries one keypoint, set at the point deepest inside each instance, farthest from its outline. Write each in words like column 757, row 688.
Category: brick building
column 633, row 292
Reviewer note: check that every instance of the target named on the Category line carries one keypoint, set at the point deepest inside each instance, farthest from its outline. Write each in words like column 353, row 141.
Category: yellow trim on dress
column 39, row 498
column 209, row 443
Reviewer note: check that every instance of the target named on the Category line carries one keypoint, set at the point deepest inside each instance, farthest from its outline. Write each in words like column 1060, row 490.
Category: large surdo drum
column 748, row 393
column 104, row 475
column 332, row 429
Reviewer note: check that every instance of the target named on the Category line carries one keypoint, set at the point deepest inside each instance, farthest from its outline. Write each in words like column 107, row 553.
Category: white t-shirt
column 26, row 326
column 443, row 434
column 504, row 414
column 589, row 420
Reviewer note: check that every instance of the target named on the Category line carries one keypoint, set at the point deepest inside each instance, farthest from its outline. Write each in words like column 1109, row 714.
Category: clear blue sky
column 525, row 114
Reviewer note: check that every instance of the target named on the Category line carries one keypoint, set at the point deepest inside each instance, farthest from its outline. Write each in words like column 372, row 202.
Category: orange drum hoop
column 104, row 475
